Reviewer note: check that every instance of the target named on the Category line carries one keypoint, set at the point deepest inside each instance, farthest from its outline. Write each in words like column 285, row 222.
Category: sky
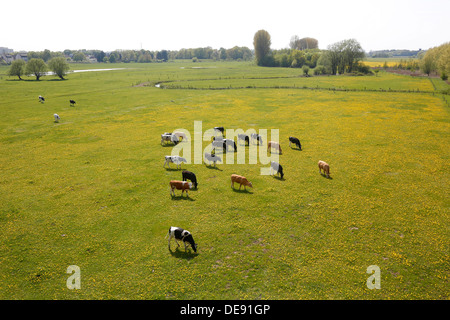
column 31, row 25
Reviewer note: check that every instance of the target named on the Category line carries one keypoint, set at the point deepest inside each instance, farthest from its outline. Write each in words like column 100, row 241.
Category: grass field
column 91, row 190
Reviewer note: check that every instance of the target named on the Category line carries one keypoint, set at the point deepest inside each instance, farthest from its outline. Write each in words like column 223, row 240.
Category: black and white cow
column 41, row 99
column 257, row 137
column 57, row 118
column 174, row 159
column 72, row 102
column 229, row 142
column 295, row 141
column 244, row 138
column 187, row 175
column 212, row 158
column 169, row 137
column 277, row 168
column 182, row 235
column 221, row 129
column 218, row 142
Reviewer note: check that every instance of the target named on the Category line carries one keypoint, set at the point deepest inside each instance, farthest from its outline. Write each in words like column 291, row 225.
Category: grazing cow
column 182, row 235
column 212, row 158
column 41, row 99
column 187, row 175
column 174, row 159
column 72, row 102
column 257, row 137
column 169, row 137
column 325, row 167
column 229, row 142
column 277, row 168
column 180, row 185
column 244, row 138
column 273, row 144
column 241, row 180
column 295, row 141
column 219, row 143
column 181, row 135
column 57, row 118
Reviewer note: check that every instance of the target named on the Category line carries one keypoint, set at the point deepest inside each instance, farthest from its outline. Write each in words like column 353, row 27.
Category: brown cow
column 273, row 144
column 241, row 180
column 180, row 185
column 325, row 167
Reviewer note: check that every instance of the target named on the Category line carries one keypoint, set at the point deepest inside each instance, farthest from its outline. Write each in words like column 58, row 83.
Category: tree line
column 340, row 57
column 146, row 56
column 437, row 59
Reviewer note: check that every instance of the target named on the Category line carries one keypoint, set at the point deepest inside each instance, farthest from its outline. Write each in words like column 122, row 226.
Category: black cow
column 187, row 175
column 183, row 235
column 295, row 141
column 41, row 99
column 72, row 102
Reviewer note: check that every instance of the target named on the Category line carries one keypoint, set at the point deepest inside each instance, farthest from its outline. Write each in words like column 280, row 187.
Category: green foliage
column 36, row 67
column 79, row 56
column 261, row 43
column 17, row 68
column 59, row 66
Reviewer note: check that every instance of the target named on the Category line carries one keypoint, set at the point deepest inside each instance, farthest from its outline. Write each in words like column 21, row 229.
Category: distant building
column 22, row 55
column 5, row 50
column 8, row 58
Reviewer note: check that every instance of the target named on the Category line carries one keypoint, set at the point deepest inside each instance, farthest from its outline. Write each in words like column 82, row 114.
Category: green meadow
column 91, row 190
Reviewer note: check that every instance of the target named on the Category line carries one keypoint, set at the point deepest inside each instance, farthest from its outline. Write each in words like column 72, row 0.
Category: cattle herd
column 218, row 142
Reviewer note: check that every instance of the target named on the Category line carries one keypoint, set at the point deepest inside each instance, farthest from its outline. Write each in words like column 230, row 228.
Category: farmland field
column 91, row 190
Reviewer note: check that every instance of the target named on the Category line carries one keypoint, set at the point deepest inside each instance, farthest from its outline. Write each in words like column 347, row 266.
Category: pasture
column 91, row 189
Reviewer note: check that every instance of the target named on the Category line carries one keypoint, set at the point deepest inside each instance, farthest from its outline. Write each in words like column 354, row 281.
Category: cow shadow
column 213, row 168
column 182, row 197
column 279, row 178
column 181, row 254
column 296, row 149
column 242, row 191
column 173, row 169
column 325, row 176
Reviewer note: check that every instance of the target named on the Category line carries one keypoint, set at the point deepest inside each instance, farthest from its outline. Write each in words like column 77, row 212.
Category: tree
column 59, row 66
column 308, row 43
column 17, row 69
column 437, row 59
column 343, row 56
column 261, row 42
column 352, row 54
column 79, row 56
column 304, row 43
column 46, row 55
column 37, row 67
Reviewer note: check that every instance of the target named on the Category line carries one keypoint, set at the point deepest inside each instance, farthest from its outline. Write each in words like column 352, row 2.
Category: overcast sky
column 35, row 25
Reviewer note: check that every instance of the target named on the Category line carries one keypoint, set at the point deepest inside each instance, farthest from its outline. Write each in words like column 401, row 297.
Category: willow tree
column 17, row 69
column 261, row 42
column 59, row 66
column 36, row 67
